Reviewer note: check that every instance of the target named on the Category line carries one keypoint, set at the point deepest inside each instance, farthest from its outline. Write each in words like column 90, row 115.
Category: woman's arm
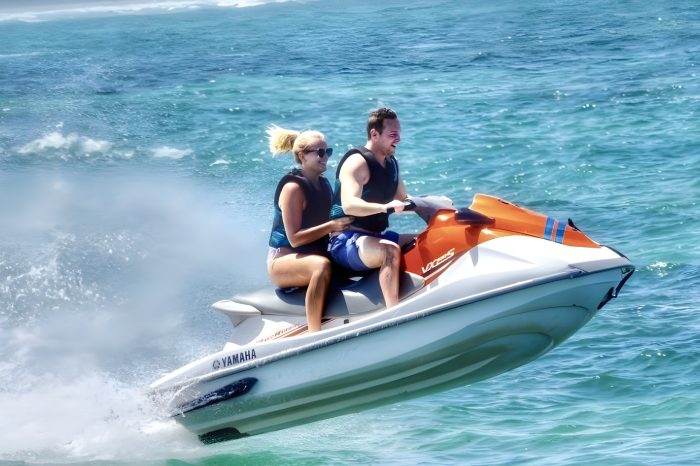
column 292, row 203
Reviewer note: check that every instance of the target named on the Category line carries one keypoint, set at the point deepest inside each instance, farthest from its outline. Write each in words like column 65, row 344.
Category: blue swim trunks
column 344, row 251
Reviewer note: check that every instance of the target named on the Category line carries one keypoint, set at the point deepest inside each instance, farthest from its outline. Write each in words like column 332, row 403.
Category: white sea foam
column 90, row 417
column 166, row 152
column 92, row 310
column 20, row 55
column 44, row 12
column 71, row 143
column 220, row 162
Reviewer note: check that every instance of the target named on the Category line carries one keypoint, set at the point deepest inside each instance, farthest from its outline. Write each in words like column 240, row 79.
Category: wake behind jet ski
column 483, row 290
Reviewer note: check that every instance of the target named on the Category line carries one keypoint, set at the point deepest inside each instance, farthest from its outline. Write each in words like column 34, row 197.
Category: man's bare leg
column 386, row 256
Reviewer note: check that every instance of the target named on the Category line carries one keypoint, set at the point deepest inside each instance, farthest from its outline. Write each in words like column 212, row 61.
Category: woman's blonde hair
column 287, row 140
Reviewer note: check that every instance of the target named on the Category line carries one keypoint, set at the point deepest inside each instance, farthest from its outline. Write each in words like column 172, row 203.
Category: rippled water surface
column 136, row 190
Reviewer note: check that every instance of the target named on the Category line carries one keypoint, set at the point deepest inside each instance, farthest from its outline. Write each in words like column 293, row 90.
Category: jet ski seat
column 348, row 297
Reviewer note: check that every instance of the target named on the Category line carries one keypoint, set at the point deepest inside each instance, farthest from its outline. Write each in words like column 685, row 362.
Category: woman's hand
column 340, row 224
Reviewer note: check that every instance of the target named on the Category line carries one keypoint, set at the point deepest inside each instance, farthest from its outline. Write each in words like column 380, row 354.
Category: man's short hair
column 376, row 119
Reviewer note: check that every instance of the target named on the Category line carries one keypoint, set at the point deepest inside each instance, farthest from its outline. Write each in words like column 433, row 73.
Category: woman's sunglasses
column 320, row 151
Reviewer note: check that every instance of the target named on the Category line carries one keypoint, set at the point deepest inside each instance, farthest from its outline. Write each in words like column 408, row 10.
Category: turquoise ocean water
column 135, row 190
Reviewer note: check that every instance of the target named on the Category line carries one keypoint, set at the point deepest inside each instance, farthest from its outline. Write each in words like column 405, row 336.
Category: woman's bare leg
column 308, row 270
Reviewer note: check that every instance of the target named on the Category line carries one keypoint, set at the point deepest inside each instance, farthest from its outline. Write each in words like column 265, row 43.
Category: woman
column 301, row 225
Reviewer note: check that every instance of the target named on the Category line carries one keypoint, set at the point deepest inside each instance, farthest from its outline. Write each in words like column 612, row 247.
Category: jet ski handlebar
column 408, row 204
column 426, row 206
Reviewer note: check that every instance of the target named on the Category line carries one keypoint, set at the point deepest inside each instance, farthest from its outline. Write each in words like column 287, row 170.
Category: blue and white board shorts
column 344, row 250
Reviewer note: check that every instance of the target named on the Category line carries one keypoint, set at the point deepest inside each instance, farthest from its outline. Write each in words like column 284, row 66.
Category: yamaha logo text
column 234, row 359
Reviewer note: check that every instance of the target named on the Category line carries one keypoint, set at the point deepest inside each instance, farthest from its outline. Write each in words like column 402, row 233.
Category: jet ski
column 483, row 290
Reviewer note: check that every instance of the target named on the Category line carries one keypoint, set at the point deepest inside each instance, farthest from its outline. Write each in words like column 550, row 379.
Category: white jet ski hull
column 473, row 322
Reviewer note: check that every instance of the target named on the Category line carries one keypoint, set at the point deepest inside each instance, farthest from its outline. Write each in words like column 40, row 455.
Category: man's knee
column 392, row 252
column 375, row 253
column 322, row 267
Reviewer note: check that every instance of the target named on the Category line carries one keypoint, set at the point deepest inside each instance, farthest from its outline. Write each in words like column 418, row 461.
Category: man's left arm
column 401, row 193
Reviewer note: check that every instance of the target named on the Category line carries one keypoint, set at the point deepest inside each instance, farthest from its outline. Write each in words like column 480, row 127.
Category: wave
column 72, row 143
column 46, row 11
column 72, row 146
column 170, row 153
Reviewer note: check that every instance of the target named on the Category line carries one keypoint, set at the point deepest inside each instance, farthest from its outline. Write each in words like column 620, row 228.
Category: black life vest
column 318, row 203
column 381, row 188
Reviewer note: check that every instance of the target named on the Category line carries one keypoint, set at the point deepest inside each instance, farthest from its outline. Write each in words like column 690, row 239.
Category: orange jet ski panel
column 451, row 233
column 511, row 217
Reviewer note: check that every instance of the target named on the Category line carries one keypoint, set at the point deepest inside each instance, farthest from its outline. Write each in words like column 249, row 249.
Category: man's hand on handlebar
column 399, row 206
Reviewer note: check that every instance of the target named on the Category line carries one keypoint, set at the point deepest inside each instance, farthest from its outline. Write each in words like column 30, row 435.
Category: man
column 368, row 184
